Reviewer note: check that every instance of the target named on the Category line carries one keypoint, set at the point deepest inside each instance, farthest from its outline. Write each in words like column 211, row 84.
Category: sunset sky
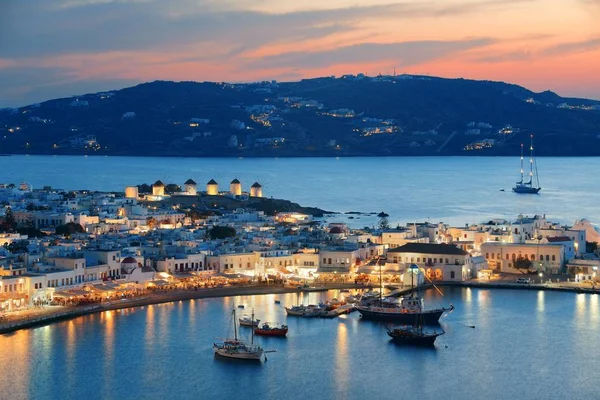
column 58, row 48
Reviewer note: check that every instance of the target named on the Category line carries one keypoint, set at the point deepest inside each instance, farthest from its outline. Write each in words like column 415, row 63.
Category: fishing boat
column 271, row 329
column 237, row 348
column 304, row 311
column 528, row 187
column 246, row 320
column 414, row 334
column 297, row 311
column 404, row 311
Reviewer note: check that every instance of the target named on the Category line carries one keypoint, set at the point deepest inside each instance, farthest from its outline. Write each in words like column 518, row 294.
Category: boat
column 295, row 310
column 277, row 301
column 241, row 306
column 246, row 320
column 528, row 187
column 414, row 334
column 304, row 311
column 404, row 311
column 237, row 348
column 271, row 329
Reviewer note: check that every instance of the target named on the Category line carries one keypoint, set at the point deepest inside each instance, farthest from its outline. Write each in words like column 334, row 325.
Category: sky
column 61, row 48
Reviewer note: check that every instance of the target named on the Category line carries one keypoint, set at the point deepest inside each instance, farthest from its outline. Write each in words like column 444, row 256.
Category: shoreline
column 66, row 313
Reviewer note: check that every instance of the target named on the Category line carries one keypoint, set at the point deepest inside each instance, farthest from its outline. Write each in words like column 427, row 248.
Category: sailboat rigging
column 237, row 348
column 404, row 311
column 528, row 187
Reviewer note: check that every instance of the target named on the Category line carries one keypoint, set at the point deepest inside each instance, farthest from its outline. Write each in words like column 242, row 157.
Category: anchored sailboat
column 528, row 187
column 237, row 348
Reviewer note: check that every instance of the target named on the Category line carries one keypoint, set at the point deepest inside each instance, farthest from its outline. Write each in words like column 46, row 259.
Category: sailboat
column 528, row 187
column 414, row 334
column 404, row 312
column 237, row 348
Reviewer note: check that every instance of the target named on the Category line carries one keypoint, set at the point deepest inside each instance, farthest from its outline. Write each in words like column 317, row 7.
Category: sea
column 524, row 344
column 498, row 344
column 455, row 190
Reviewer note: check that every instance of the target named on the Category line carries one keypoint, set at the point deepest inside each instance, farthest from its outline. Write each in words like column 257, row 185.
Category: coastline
column 66, row 313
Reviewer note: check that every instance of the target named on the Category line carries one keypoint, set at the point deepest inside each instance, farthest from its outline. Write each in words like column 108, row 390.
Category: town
column 73, row 248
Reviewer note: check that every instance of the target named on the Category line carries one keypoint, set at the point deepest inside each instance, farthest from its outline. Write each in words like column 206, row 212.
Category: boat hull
column 526, row 190
column 427, row 340
column 271, row 332
column 249, row 323
column 251, row 356
column 428, row 317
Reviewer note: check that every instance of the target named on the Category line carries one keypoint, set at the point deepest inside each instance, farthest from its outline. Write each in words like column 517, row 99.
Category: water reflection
column 341, row 358
column 594, row 306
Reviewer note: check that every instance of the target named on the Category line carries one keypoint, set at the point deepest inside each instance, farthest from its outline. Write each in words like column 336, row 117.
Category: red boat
column 267, row 329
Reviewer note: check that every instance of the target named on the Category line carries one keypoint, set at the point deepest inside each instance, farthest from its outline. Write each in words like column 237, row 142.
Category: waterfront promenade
column 42, row 316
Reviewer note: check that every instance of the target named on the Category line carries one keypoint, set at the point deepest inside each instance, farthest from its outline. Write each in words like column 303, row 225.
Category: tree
column 522, row 263
column 221, row 232
column 591, row 247
column 31, row 232
column 69, row 228
column 144, row 188
column 9, row 223
column 383, row 223
column 172, row 188
column 17, row 246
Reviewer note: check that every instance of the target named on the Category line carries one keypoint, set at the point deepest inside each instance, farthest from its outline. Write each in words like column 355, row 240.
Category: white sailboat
column 237, row 348
column 528, row 187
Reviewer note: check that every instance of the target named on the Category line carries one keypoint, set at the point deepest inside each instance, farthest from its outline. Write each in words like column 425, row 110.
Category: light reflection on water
column 164, row 351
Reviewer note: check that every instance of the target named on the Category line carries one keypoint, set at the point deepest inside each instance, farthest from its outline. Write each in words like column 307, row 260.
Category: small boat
column 277, row 301
column 237, row 348
column 414, row 334
column 297, row 311
column 528, row 187
column 246, row 320
column 270, row 329
column 241, row 306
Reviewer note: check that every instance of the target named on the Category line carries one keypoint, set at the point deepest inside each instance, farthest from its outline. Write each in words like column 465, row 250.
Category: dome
column 190, row 182
column 158, row 184
column 212, row 182
column 256, row 185
column 336, row 229
column 129, row 260
column 234, row 181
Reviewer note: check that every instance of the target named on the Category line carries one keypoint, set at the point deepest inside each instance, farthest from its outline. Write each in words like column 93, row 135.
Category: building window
column 547, row 257
column 553, row 257
column 451, row 274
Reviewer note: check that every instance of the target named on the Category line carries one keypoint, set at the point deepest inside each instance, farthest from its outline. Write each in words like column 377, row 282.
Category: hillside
column 348, row 116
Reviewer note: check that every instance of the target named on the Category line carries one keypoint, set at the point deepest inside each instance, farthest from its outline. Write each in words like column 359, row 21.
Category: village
column 73, row 248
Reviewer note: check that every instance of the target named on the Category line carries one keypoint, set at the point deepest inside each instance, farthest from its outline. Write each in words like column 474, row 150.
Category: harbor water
column 456, row 190
column 525, row 345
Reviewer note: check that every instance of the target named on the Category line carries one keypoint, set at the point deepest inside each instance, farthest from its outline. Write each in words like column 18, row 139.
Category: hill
column 347, row 116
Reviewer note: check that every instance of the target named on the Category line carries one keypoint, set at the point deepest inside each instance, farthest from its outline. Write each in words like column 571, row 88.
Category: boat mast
column 521, row 163
column 531, row 162
column 252, row 322
column 380, row 282
column 234, row 325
